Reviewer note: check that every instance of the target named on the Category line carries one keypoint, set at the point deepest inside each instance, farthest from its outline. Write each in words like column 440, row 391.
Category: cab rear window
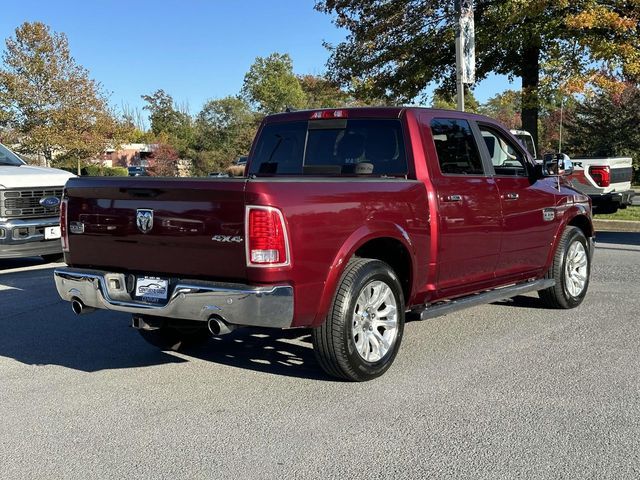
column 331, row 147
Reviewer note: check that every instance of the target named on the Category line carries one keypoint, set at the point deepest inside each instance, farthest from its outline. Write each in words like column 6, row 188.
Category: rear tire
column 570, row 269
column 176, row 336
column 363, row 331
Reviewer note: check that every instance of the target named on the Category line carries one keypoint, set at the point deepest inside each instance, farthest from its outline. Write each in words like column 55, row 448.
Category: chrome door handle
column 452, row 198
column 511, row 196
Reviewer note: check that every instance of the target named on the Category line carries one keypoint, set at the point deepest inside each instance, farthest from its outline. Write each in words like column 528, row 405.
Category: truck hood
column 27, row 176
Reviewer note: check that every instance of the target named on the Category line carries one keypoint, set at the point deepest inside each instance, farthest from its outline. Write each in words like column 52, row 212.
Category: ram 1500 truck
column 29, row 208
column 348, row 221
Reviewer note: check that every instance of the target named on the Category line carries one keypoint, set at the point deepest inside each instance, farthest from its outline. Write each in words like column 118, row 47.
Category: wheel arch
column 388, row 243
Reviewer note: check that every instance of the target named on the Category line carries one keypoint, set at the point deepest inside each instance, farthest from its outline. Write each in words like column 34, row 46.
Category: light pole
column 465, row 49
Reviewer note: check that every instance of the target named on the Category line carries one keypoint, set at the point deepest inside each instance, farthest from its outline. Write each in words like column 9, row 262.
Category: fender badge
column 548, row 214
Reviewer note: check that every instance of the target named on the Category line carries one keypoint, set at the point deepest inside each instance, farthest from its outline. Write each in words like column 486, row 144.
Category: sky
column 193, row 49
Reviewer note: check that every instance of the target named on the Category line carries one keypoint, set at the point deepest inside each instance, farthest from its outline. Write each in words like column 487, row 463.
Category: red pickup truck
column 347, row 221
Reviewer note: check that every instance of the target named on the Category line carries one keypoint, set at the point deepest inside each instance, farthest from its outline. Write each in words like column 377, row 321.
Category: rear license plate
column 51, row 232
column 152, row 288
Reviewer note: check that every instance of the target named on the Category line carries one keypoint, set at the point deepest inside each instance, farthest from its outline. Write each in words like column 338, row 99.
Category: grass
column 629, row 213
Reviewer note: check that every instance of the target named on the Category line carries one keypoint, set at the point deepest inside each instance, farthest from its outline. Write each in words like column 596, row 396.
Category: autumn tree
column 504, row 107
column 448, row 102
column 395, row 48
column 51, row 100
column 271, row 86
column 322, row 92
column 164, row 161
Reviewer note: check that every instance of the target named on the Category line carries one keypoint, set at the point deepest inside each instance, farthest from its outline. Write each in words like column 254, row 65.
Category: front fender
column 356, row 240
column 570, row 213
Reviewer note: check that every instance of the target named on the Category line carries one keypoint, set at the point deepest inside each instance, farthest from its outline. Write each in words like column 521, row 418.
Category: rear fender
column 361, row 236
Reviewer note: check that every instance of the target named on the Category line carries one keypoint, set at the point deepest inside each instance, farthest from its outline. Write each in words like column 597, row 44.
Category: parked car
column 347, row 222
column 29, row 208
column 137, row 171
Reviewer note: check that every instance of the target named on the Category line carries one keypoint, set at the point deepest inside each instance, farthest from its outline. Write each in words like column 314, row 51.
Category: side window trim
column 487, row 164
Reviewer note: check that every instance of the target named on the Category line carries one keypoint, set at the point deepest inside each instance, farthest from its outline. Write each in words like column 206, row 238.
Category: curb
column 616, row 225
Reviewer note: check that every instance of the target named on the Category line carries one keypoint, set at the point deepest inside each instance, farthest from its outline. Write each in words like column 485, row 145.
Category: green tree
column 395, row 48
column 170, row 121
column 50, row 100
column 606, row 124
column 271, row 85
column 447, row 101
column 504, row 107
column 224, row 131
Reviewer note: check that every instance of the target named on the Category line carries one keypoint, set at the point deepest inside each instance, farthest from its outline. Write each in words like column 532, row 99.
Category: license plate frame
column 52, row 233
column 151, row 289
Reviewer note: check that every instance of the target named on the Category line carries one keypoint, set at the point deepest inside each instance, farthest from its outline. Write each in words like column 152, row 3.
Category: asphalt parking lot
column 508, row 390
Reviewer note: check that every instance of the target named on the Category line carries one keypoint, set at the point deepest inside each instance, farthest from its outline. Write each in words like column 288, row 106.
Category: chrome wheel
column 375, row 321
column 575, row 270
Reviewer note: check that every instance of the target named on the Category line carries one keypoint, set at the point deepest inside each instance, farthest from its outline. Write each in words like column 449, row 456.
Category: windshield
column 331, row 147
column 7, row 157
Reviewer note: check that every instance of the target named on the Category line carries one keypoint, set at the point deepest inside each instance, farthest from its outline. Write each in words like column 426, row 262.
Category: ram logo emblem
column 144, row 219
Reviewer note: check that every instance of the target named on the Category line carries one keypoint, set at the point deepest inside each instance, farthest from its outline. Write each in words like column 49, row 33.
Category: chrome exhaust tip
column 80, row 308
column 217, row 326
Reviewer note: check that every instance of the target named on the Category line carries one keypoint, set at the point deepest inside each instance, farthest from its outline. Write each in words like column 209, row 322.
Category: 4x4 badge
column 144, row 219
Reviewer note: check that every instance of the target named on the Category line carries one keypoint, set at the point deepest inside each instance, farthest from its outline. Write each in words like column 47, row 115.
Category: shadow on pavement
column 620, row 238
column 278, row 352
column 522, row 301
column 38, row 328
column 11, row 263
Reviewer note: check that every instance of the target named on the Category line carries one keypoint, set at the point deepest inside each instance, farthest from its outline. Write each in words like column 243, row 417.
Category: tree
column 224, row 131
column 606, row 124
column 504, row 107
column 271, row 86
column 322, row 92
column 395, row 48
column 170, row 120
column 49, row 99
column 448, row 102
column 164, row 161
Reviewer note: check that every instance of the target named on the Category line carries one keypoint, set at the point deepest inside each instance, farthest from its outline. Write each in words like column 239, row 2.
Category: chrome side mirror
column 557, row 165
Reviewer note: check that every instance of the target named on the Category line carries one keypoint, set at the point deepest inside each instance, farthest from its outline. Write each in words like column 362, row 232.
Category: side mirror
column 557, row 165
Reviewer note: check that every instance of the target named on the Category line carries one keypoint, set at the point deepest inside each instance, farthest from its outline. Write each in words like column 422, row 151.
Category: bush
column 100, row 171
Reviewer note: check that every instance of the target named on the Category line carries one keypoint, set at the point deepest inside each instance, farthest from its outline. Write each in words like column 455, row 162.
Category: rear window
column 331, row 147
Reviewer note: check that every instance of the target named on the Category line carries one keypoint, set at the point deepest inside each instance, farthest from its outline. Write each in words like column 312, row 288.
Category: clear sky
column 193, row 49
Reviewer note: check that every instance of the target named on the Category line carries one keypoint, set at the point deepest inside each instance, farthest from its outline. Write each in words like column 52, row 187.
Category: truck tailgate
column 181, row 227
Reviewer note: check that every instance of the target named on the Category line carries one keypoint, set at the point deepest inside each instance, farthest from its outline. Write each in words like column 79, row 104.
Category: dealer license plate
column 152, row 288
column 51, row 232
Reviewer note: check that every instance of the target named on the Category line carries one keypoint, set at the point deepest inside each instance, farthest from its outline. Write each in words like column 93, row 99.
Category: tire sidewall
column 376, row 271
column 575, row 235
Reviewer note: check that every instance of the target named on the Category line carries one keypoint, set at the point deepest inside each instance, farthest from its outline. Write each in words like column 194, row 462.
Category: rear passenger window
column 457, row 150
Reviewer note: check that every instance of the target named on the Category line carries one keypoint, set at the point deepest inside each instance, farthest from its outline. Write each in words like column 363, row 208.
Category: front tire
column 363, row 331
column 570, row 269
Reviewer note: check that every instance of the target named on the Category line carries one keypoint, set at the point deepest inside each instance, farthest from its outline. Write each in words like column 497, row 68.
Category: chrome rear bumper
column 270, row 306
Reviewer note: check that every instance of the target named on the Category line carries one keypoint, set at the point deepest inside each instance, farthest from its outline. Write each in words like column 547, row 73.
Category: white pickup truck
column 29, row 208
column 606, row 180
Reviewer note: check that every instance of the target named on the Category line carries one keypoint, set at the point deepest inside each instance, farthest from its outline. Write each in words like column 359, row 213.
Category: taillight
column 64, row 231
column 266, row 237
column 601, row 175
